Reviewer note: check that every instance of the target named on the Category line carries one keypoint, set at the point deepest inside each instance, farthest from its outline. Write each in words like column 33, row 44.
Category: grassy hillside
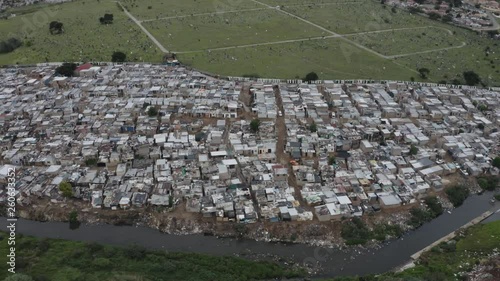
column 84, row 38
column 273, row 38
column 60, row 260
column 472, row 248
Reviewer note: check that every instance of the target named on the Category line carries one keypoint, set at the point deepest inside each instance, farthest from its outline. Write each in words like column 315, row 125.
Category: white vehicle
column 279, row 113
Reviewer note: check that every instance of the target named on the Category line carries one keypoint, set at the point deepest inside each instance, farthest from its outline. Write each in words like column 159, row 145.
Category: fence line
column 271, row 80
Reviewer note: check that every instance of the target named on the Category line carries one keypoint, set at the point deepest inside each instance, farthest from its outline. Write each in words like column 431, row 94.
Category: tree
column 311, row 76
column 107, row 19
column 254, row 125
column 74, row 223
column 413, row 150
column 457, row 194
column 447, row 18
column 55, row 27
column 434, row 205
column 152, row 111
column 18, row 277
column 91, row 162
column 471, row 78
column 118, row 57
column 66, row 189
column 66, row 69
column 313, row 128
column 331, row 160
column 393, row 9
column 424, row 72
column 9, row 45
column 482, row 107
column 434, row 16
column 496, row 162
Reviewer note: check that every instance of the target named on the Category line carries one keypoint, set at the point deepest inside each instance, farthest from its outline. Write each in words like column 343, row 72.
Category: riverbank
column 321, row 261
column 180, row 222
column 474, row 254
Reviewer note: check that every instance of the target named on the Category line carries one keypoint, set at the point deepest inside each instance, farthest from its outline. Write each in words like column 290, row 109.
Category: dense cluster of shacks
column 96, row 132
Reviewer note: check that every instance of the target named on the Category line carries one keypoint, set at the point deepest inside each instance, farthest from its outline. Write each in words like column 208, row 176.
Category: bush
column 313, row 127
column 419, row 217
column 355, row 232
column 66, row 69
column 254, row 125
column 457, row 195
column 489, row 183
column 496, row 162
column 152, row 112
column 66, row 189
column 434, row 206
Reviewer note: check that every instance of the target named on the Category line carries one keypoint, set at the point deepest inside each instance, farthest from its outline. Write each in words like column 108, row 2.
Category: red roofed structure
column 83, row 66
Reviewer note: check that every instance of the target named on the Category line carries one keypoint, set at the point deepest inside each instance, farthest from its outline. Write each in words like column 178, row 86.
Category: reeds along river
column 335, row 262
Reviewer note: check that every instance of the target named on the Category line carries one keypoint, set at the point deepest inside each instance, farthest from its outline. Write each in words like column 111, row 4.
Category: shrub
column 457, row 194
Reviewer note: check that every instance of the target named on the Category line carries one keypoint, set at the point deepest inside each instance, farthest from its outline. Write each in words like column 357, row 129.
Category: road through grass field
column 270, row 38
column 396, row 42
column 205, row 32
column 330, row 58
column 84, row 38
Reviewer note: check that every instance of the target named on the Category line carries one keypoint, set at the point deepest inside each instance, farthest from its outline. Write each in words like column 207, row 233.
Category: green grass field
column 239, row 23
column 445, row 261
column 84, row 38
column 159, row 8
column 205, row 32
column 354, row 18
column 330, row 58
column 62, row 260
column 408, row 41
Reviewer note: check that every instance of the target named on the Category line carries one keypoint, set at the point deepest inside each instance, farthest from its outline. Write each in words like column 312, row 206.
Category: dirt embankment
column 180, row 222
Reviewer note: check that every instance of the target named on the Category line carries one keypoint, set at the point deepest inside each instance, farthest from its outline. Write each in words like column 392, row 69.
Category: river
column 352, row 261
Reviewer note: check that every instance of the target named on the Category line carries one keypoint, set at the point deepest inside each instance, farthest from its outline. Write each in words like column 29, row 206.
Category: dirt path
column 138, row 23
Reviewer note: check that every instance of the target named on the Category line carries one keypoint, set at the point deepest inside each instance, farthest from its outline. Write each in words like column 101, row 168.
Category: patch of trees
column 10, row 45
column 457, row 194
column 66, row 69
column 55, row 27
column 489, row 183
column 419, row 216
column 107, row 19
column 356, row 232
column 118, row 57
column 471, row 78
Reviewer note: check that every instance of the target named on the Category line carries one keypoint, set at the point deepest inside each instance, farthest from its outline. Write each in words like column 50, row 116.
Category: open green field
column 357, row 17
column 62, row 260
column 160, row 8
column 329, row 58
column 408, row 41
column 246, row 37
column 84, row 38
column 205, row 32
column 449, row 64
column 445, row 261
